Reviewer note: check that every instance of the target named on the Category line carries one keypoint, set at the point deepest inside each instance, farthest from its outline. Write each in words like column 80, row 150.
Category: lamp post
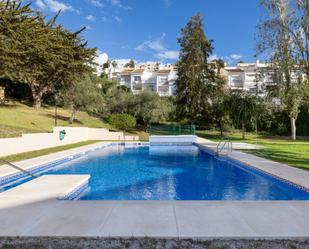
column 56, row 109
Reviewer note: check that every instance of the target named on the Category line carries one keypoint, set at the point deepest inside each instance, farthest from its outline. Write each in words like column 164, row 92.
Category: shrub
column 122, row 121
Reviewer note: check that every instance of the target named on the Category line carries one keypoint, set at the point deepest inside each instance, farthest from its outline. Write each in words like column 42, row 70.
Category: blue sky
column 147, row 30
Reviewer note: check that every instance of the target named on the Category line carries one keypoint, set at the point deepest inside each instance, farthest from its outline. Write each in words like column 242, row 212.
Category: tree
column 84, row 94
column 242, row 108
column 284, row 36
column 119, row 99
column 151, row 108
column 219, row 111
column 122, row 121
column 40, row 53
column 130, row 64
column 196, row 83
column 114, row 64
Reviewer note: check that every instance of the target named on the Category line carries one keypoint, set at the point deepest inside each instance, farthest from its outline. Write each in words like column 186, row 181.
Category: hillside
column 17, row 118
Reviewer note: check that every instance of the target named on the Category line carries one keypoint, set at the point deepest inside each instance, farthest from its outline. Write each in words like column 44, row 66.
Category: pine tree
column 40, row 53
column 197, row 80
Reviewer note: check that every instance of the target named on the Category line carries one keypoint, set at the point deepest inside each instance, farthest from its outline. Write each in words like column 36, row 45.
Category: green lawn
column 36, row 153
column 293, row 153
column 17, row 118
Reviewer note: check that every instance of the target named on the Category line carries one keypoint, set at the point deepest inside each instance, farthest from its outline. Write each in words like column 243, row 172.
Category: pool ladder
column 222, row 144
column 2, row 162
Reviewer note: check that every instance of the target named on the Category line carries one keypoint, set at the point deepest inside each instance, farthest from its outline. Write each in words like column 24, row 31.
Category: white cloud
column 156, row 44
column 40, row 4
column 230, row 59
column 117, row 19
column 168, row 55
column 167, row 3
column 119, row 4
column 236, row 56
column 90, row 18
column 101, row 58
column 96, row 3
column 54, row 6
column 213, row 57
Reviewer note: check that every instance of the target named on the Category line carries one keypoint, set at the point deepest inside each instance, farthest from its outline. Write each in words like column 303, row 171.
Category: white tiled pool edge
column 283, row 172
column 9, row 174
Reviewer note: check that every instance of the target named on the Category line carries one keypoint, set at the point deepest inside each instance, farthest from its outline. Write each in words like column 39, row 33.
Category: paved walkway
column 236, row 146
column 28, row 164
column 184, row 219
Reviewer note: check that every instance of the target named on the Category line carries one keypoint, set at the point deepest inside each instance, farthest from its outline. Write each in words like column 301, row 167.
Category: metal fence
column 172, row 130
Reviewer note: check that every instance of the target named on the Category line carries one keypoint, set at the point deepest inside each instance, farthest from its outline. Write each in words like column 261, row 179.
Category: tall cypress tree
column 197, row 80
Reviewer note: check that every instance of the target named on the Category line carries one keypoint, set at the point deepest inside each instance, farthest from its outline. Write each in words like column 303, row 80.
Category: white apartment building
column 253, row 77
column 160, row 79
column 245, row 76
column 154, row 78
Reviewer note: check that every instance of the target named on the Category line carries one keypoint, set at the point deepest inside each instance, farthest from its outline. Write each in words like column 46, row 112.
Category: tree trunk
column 72, row 118
column 243, row 126
column 220, row 127
column 37, row 96
column 37, row 101
column 293, row 128
column 146, row 125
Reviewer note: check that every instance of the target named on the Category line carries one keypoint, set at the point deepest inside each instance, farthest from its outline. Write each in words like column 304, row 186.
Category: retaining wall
column 38, row 141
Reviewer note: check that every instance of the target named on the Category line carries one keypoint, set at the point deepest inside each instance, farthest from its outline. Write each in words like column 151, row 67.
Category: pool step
column 49, row 187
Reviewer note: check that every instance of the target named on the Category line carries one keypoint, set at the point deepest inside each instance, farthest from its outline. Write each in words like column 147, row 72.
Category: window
column 163, row 79
column 236, row 81
column 252, row 89
column 137, row 78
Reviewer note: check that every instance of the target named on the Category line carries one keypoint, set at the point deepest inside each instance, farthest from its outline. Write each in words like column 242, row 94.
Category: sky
column 147, row 30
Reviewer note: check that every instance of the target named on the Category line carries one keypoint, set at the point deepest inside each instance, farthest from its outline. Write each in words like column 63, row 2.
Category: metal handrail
column 225, row 142
column 18, row 168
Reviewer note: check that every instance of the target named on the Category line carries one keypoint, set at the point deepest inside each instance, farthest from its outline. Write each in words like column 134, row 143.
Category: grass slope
column 17, row 118
column 293, row 153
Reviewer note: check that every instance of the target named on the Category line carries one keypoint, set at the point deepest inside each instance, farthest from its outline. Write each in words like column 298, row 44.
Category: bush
column 122, row 121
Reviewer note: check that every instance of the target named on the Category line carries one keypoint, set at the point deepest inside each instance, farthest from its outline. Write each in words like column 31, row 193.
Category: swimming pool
column 121, row 172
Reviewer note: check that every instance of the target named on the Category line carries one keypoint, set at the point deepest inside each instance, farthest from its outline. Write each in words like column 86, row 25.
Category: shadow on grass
column 63, row 118
column 292, row 159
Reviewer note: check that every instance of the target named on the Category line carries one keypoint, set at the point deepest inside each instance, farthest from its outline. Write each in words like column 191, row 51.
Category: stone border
column 158, row 243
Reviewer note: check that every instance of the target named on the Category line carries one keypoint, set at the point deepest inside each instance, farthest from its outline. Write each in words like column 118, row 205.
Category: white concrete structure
column 38, row 141
column 181, row 139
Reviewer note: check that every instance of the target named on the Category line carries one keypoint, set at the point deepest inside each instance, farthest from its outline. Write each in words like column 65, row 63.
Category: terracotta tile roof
column 127, row 71
column 164, row 71
column 234, row 70
column 139, row 70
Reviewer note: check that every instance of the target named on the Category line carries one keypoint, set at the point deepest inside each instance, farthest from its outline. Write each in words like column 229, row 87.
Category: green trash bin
column 62, row 135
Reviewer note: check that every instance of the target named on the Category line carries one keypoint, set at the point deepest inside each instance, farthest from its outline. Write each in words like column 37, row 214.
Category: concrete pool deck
column 41, row 214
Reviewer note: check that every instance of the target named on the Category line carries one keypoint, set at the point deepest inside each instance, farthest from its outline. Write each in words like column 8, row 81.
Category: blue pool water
column 172, row 173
